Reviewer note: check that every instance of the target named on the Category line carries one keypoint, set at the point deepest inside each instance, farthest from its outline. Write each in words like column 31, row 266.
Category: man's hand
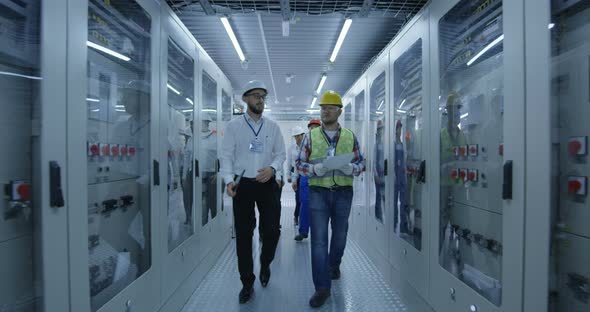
column 319, row 170
column 346, row 169
column 264, row 175
column 294, row 186
column 231, row 189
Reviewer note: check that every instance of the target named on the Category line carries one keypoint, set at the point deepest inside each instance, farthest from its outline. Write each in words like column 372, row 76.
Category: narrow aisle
column 361, row 287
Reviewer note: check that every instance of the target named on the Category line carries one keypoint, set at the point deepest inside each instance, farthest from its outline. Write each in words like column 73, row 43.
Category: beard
column 255, row 108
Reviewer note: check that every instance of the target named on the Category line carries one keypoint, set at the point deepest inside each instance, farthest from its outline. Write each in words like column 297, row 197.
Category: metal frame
column 144, row 293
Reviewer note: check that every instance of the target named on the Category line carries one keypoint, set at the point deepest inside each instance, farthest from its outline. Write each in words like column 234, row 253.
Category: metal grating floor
column 361, row 287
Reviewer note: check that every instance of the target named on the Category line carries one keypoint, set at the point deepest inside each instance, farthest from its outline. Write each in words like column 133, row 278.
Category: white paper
column 123, row 263
column 136, row 230
column 338, row 161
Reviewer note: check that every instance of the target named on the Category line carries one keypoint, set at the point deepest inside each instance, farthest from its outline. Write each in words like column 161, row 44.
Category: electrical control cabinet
column 569, row 279
column 359, row 199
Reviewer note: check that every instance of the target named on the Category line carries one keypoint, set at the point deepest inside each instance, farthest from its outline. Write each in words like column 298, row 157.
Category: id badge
column 256, row 146
column 331, row 152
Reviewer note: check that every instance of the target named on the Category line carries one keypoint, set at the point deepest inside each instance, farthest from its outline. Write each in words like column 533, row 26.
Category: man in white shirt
column 254, row 146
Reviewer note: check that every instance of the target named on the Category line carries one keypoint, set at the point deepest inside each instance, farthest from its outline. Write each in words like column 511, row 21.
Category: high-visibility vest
column 319, row 150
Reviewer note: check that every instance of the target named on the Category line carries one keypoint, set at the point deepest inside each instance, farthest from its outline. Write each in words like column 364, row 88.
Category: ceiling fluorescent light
column 92, row 100
column 380, row 105
column 343, row 33
column 551, row 25
column 489, row 46
column 187, row 110
column 313, row 111
column 19, row 75
column 285, row 28
column 464, row 115
column 233, row 38
column 267, row 110
column 401, row 111
column 172, row 89
column 321, row 85
column 107, row 51
column 315, row 98
column 402, row 104
column 120, row 110
column 380, row 113
column 209, row 110
column 190, row 101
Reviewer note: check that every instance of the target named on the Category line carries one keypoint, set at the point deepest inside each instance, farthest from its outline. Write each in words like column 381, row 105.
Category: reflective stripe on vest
column 319, row 149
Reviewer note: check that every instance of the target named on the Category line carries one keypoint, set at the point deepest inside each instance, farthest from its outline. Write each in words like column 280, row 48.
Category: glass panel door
column 180, row 145
column 471, row 145
column 208, row 148
column 359, row 131
column 20, row 81
column 118, row 138
column 377, row 126
column 226, row 113
column 408, row 155
column 570, row 100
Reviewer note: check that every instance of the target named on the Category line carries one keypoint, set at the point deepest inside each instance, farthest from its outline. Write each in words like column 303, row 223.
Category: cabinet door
column 226, row 116
column 477, row 244
column 179, row 250
column 113, row 155
column 359, row 198
column 569, row 278
column 411, row 162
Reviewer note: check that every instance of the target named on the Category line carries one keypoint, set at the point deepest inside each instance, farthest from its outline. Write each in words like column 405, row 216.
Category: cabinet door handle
column 217, row 165
column 385, row 167
column 56, row 197
column 156, row 173
column 507, row 183
column 196, row 168
column 422, row 172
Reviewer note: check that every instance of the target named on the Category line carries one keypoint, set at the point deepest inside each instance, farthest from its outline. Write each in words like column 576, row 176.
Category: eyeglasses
column 329, row 108
column 257, row 96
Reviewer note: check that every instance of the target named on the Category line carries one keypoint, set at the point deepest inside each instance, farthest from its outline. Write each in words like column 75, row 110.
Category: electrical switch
column 577, row 146
column 123, row 150
column 576, row 185
column 115, row 149
column 463, row 175
column 473, row 176
column 454, row 174
column 108, row 205
column 131, row 150
column 463, row 150
column 20, row 191
column 473, row 148
column 105, row 149
column 93, row 149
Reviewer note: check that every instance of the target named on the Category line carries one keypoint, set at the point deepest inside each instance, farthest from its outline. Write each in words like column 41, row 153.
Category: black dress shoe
column 264, row 276
column 319, row 298
column 335, row 273
column 300, row 237
column 246, row 293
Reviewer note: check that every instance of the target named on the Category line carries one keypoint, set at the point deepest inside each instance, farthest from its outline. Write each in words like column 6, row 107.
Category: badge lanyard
column 332, row 144
column 255, row 145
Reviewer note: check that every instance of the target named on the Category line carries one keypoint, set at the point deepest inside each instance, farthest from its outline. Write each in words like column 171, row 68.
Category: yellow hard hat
column 331, row 98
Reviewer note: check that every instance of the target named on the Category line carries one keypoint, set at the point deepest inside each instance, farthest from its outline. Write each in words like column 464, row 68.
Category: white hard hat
column 254, row 84
column 297, row 130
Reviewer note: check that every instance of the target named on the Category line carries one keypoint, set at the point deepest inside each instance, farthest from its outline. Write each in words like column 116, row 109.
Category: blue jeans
column 324, row 205
column 304, row 205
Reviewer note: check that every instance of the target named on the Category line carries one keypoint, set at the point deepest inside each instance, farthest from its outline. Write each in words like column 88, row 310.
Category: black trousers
column 264, row 195
column 297, row 203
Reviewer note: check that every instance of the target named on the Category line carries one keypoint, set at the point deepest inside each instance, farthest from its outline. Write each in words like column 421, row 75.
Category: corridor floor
column 361, row 287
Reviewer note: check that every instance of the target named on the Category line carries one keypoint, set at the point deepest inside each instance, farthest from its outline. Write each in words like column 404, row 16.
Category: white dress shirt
column 235, row 151
column 293, row 154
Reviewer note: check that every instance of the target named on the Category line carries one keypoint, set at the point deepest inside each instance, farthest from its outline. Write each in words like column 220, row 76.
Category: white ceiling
column 314, row 27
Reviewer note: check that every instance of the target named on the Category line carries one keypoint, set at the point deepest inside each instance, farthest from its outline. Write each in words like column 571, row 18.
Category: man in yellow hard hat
column 330, row 195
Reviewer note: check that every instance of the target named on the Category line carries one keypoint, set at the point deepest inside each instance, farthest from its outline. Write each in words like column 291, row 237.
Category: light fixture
column 551, row 25
column 380, row 105
column 489, row 46
column 313, row 111
column 402, row 104
column 401, row 111
column 190, row 101
column 119, row 106
column 173, row 89
column 315, row 98
column 209, row 110
column 232, row 37
column 19, row 75
column 107, row 51
column 285, row 26
column 322, row 81
column 379, row 113
column 464, row 115
column 120, row 110
column 187, row 110
column 343, row 33
column 95, row 110
column 267, row 110
column 92, row 100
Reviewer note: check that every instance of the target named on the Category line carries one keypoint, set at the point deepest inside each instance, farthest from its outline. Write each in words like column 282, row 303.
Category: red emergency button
column 576, row 185
column 577, row 146
column 131, row 151
column 124, row 150
column 454, row 174
column 115, row 150
column 24, row 191
column 473, row 150
column 473, row 175
column 94, row 150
